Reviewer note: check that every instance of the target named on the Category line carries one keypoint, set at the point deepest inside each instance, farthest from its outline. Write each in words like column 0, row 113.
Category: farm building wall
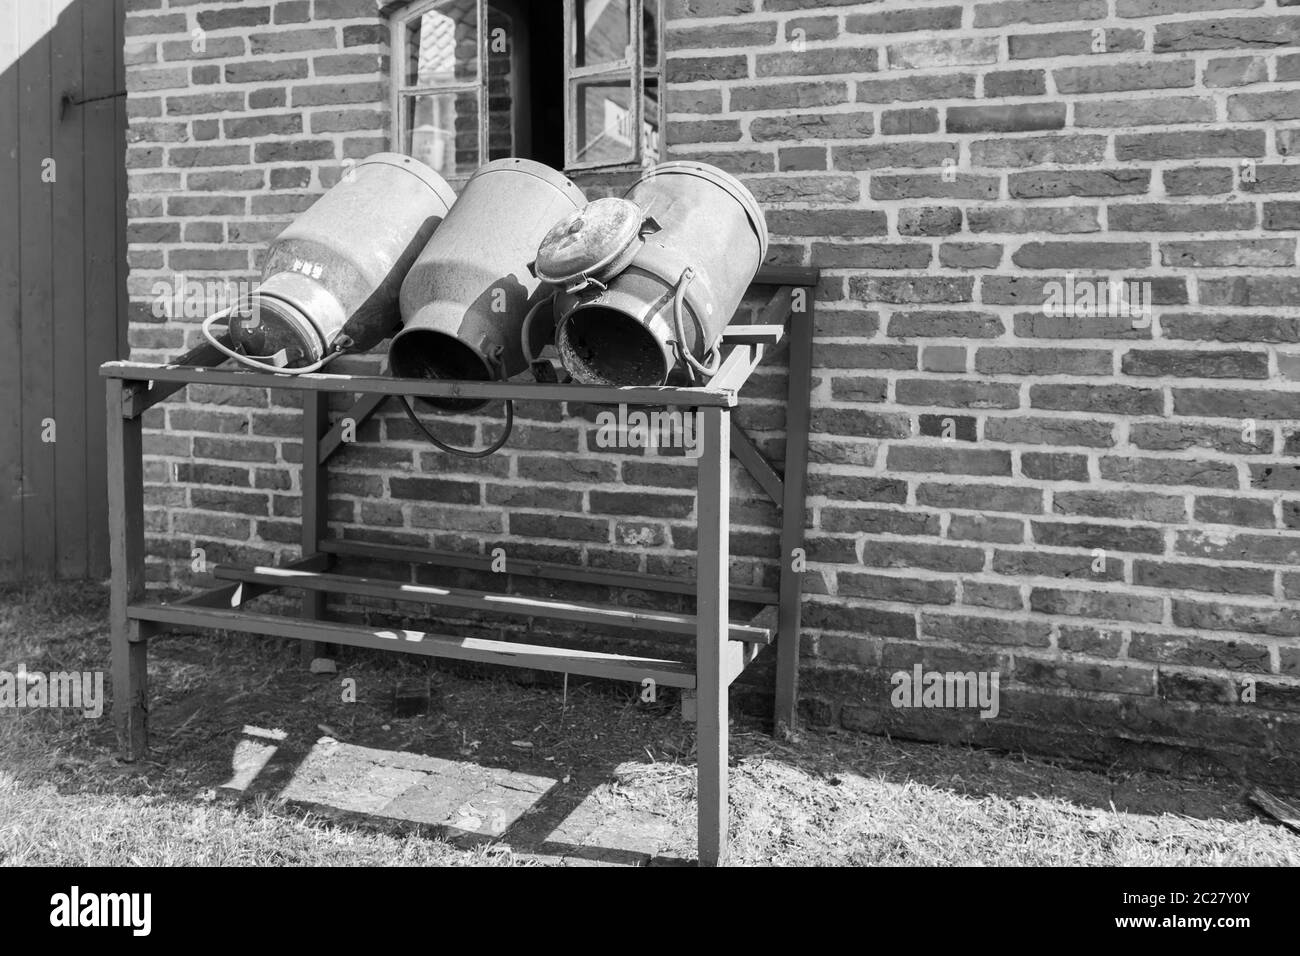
column 1103, row 509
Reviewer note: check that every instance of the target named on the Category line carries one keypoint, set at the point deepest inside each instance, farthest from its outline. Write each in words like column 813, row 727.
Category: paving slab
column 466, row 798
column 471, row 802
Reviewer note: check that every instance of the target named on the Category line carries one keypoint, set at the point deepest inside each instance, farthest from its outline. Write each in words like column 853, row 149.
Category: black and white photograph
column 553, row 434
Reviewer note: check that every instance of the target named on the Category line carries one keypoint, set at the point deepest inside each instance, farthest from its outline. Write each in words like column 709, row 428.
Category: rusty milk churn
column 466, row 297
column 654, row 277
column 331, row 279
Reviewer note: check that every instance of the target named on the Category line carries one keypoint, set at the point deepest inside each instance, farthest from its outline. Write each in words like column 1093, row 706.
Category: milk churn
column 331, row 279
column 465, row 299
column 654, row 277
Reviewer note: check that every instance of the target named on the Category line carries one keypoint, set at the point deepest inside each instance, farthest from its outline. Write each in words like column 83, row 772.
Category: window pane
column 603, row 120
column 601, row 32
column 650, row 124
column 444, row 131
column 442, row 45
column 650, row 19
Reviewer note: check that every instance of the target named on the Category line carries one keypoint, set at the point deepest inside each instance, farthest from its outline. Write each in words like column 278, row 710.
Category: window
column 612, row 73
column 550, row 80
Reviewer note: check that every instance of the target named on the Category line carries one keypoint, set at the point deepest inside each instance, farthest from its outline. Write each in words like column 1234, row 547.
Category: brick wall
column 1106, row 511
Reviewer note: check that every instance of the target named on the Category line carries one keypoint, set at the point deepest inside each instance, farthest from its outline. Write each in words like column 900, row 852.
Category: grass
column 622, row 770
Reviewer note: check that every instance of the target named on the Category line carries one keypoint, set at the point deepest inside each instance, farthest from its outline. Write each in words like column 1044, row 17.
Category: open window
column 612, row 82
column 549, row 80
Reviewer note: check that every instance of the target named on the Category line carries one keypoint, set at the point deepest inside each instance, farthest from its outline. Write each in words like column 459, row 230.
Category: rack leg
column 126, row 552
column 315, row 497
column 798, row 413
column 714, row 504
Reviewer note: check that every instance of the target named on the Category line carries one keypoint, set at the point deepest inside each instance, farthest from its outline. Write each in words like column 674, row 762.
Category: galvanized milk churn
column 654, row 277
column 465, row 299
column 331, row 279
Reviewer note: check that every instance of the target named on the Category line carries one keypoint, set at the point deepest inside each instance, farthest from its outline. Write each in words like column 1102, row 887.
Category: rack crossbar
column 666, row 673
column 273, row 577
column 703, row 397
column 537, row 569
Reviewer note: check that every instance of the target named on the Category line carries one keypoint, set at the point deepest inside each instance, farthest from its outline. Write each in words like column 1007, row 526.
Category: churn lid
column 596, row 242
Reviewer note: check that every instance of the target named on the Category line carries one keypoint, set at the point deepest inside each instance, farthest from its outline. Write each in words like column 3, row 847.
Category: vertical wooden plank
column 105, row 145
column 71, row 381
column 315, row 497
column 713, row 508
column 127, row 581
column 11, row 369
column 36, row 275
column 789, row 612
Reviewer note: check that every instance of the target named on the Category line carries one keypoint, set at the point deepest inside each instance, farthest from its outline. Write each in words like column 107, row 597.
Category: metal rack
column 723, row 648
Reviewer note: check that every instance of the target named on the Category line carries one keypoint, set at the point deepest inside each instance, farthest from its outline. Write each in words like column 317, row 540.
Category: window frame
column 400, row 16
column 637, row 74
column 400, row 93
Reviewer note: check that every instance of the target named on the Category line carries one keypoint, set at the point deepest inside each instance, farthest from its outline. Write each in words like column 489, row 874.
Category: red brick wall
column 1104, row 511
